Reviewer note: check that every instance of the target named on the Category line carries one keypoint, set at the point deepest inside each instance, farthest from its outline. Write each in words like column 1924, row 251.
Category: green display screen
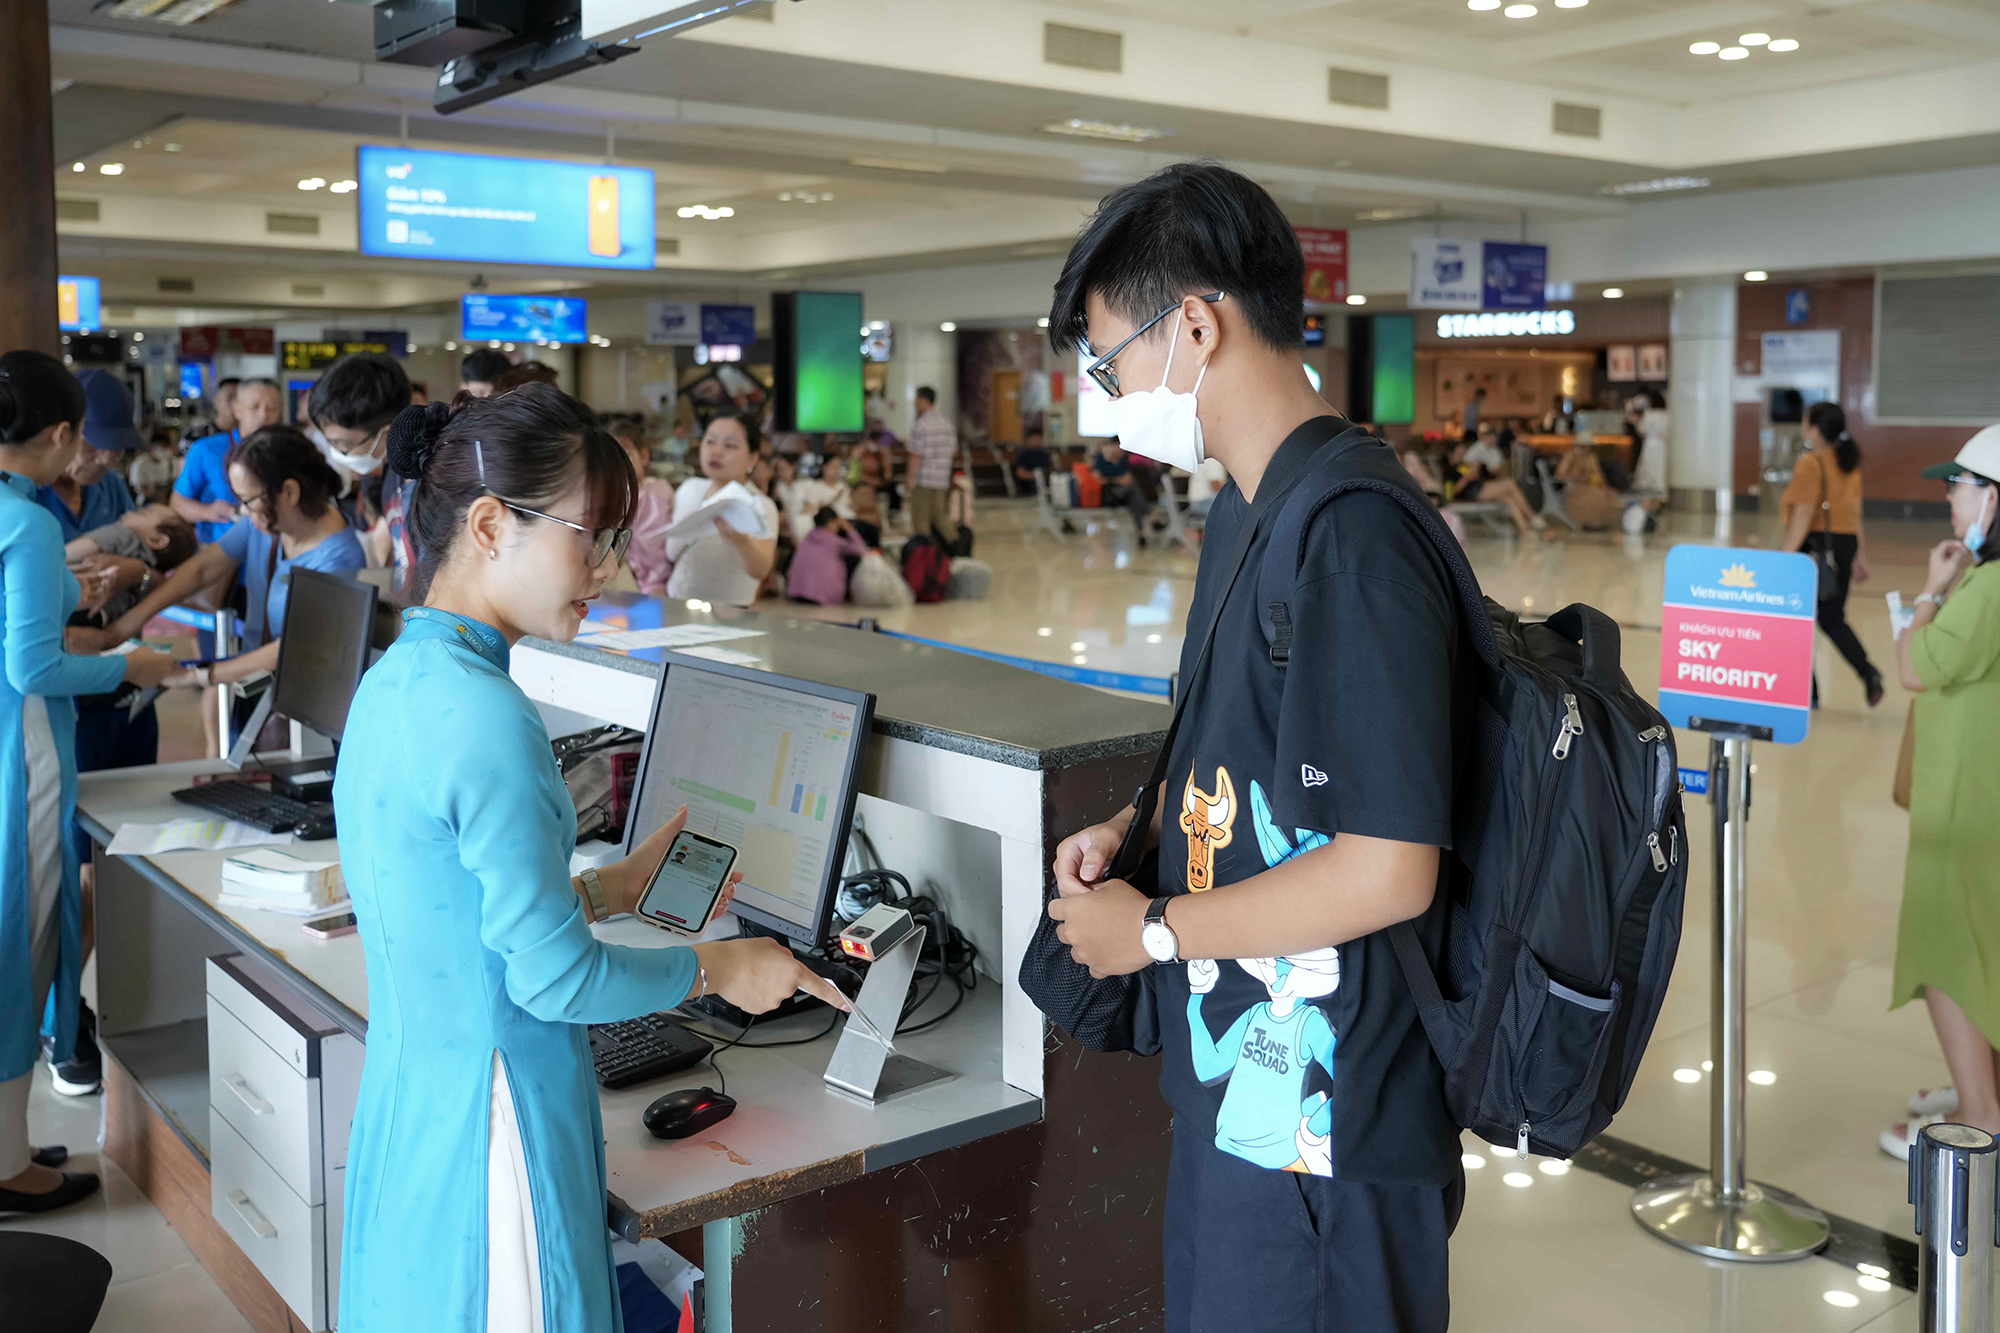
column 827, row 372
column 1395, row 369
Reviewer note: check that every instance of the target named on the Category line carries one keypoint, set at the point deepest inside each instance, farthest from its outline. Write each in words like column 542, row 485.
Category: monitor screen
column 818, row 360
column 418, row 204
column 1394, row 365
column 79, row 307
column 329, row 623
column 523, row 318
column 767, row 764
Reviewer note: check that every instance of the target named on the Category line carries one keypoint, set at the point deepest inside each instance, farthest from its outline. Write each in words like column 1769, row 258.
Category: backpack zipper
column 1572, row 725
column 1521, row 1141
column 1674, row 844
column 1653, row 733
column 1659, row 857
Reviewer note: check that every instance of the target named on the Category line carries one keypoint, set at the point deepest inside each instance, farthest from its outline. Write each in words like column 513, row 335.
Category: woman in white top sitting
column 724, row 564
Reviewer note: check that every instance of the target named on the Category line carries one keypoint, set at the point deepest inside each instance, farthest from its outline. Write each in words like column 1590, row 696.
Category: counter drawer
column 272, row 1106
column 283, row 1235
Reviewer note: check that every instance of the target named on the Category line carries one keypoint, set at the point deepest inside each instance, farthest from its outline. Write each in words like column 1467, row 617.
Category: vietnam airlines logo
column 400, row 171
column 1738, row 575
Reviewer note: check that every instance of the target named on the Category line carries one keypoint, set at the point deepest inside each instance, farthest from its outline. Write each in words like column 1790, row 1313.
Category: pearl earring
column 492, row 553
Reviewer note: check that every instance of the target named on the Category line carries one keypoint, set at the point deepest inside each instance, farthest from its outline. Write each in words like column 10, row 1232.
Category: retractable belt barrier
column 1952, row 1184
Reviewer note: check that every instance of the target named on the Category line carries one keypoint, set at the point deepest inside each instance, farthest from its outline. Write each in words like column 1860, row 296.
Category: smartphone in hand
column 682, row 894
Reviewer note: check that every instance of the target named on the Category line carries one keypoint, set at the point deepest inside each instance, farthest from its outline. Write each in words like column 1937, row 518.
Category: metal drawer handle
column 253, row 1219
column 237, row 1084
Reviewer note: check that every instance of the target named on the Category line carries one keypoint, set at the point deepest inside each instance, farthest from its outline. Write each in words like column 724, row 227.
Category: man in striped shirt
column 933, row 450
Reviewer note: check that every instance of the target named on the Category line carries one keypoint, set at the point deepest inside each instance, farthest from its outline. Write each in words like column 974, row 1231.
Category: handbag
column 1822, row 551
column 1118, row 1013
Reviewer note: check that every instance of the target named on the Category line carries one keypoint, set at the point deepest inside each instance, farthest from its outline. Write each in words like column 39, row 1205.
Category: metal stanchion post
column 225, row 646
column 1952, row 1182
column 1721, row 1213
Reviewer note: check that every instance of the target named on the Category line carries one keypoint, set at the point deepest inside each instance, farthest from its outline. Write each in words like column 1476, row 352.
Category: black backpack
column 1566, row 879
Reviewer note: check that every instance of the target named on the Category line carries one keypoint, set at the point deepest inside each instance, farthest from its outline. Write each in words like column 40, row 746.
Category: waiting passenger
column 480, row 370
column 826, row 557
column 352, row 405
column 1122, row 485
column 647, row 556
column 724, row 565
column 1483, row 479
column 1587, row 498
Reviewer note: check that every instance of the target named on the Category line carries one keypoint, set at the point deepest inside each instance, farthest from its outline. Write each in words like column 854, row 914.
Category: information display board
column 1736, row 639
column 323, row 353
column 562, row 319
column 419, row 204
column 79, row 305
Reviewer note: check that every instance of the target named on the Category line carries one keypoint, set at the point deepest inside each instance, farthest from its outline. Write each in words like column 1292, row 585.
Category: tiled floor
column 1559, row 1252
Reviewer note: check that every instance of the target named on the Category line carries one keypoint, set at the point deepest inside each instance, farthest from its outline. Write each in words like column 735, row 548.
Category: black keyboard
column 247, row 803
column 637, row 1049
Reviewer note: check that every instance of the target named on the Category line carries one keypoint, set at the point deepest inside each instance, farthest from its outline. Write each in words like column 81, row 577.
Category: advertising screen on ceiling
column 818, row 361
column 78, row 306
column 559, row 319
column 417, row 204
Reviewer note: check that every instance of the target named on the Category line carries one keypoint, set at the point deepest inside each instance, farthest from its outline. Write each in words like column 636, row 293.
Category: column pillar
column 924, row 355
column 1701, row 440
column 28, row 168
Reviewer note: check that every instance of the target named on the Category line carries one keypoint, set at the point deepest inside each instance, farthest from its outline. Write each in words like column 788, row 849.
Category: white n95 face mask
column 1162, row 425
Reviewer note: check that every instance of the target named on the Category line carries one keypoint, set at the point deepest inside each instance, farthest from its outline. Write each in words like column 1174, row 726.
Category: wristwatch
column 594, row 890
column 1162, row 945
column 1933, row 598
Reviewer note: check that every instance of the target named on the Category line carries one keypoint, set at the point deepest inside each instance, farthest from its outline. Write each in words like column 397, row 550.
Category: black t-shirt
column 1032, row 459
column 1112, row 469
column 1316, row 1062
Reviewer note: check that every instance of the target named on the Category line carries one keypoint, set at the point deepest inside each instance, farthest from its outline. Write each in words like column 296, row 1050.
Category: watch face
column 1159, row 940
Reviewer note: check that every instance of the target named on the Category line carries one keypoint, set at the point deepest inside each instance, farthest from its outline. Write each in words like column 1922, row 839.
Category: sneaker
column 1934, row 1101
column 83, row 1073
column 1899, row 1138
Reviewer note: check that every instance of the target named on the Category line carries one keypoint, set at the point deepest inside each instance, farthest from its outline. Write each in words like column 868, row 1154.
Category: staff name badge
column 1736, row 639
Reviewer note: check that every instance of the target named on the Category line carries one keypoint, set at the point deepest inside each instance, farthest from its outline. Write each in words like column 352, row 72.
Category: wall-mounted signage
column 1508, row 324
column 1798, row 306
column 1621, row 363
column 735, row 324
column 673, row 323
column 418, row 204
column 1445, row 274
column 1653, row 361
column 204, row 342
column 79, row 307
column 1515, row 275
column 1325, row 251
column 319, row 355
column 559, row 319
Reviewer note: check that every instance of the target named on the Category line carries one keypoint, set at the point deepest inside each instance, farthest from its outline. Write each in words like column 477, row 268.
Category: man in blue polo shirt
column 201, row 494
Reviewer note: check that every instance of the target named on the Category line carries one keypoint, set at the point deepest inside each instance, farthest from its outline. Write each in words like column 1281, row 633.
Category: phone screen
column 684, row 889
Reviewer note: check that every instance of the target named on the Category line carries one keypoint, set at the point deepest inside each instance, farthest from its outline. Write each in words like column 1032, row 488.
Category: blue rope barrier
column 201, row 620
column 1108, row 680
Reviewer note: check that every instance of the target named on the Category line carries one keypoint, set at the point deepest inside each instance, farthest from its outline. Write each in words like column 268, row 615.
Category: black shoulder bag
column 1117, row 1013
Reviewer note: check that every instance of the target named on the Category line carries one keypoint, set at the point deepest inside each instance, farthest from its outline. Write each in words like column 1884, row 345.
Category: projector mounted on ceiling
column 489, row 48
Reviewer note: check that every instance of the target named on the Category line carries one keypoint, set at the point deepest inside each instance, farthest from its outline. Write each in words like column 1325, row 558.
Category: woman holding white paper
column 722, row 558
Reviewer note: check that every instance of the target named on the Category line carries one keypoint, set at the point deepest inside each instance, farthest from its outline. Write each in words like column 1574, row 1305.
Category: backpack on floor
column 926, row 568
column 1567, row 873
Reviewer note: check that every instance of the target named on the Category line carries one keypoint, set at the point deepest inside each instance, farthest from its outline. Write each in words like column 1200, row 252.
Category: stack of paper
column 277, row 880
column 735, row 504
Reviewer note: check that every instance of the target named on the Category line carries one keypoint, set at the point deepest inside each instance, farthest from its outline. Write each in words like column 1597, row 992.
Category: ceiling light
column 1704, row 48
column 451, row 347
column 1763, row 1078
column 1687, row 1076
column 1042, row 323
column 1756, row 275
column 1754, row 39
column 897, row 164
column 1079, row 647
column 1520, row 11
column 506, row 347
column 947, row 327
column 1613, row 293
column 1356, row 298
column 704, row 212
column 1152, row 638
column 1783, row 44
column 171, row 147
column 111, row 169
column 1080, row 659
column 1391, row 214
column 344, row 187
column 1045, row 631
column 76, row 166
column 1482, row 5
column 1734, row 53
column 1571, row 4
column 1081, row 128
column 313, row 183
column 138, row 337
column 1657, row 185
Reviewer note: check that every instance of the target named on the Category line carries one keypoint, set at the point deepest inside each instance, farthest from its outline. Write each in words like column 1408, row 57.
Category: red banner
column 1737, row 655
column 1325, row 251
column 203, row 342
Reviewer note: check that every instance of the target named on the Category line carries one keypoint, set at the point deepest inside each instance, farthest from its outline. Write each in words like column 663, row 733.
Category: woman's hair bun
column 414, row 436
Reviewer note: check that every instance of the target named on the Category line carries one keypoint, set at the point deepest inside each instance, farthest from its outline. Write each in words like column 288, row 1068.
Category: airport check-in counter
column 1024, row 1192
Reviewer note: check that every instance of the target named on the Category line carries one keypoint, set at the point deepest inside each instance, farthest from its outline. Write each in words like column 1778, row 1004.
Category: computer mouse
column 689, row 1111
column 316, row 829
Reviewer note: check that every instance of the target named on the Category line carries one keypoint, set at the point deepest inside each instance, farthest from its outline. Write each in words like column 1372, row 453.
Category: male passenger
column 933, row 451
column 201, row 493
column 479, row 369
column 1315, row 1172
column 353, row 404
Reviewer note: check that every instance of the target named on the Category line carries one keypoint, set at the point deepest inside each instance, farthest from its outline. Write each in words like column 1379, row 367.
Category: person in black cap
column 93, row 491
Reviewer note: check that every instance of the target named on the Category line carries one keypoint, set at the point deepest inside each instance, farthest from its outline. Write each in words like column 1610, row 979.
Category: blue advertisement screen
column 1516, row 276
column 191, row 379
column 523, row 318
column 78, row 305
column 417, row 204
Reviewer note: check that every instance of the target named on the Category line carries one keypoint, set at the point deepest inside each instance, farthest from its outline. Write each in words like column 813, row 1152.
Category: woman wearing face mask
column 1822, row 508
column 725, row 565
column 290, row 519
column 475, row 1169
column 41, row 907
column 1949, row 934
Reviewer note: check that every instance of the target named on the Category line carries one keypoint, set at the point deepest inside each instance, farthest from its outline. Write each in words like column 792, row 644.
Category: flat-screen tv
column 817, row 361
column 419, row 204
column 523, row 318
column 78, row 305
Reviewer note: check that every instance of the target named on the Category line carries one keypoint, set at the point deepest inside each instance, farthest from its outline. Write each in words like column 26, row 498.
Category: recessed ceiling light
column 1754, row 39
column 947, row 327
column 1657, row 185
column 1734, row 53
column 1079, row 646
column 1704, row 48
column 1783, row 44
column 704, row 212
column 1045, row 631
column 76, row 166
column 1482, row 5
column 171, row 147
column 1613, row 293
column 313, row 183
column 1356, row 298
column 1571, row 4
column 1083, row 128
column 1520, row 11
column 1042, row 323
column 111, row 169
column 450, row 346
column 1080, row 660
column 1756, row 275
column 896, row 164
column 344, row 187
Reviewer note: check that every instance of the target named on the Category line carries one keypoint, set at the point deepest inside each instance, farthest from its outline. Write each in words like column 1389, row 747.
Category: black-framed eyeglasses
column 605, row 543
column 1106, row 374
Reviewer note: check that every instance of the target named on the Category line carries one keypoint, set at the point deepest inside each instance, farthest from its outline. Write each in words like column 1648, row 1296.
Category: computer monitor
column 767, row 764
column 329, row 622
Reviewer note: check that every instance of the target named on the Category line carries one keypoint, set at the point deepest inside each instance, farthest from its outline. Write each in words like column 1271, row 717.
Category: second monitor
column 767, row 764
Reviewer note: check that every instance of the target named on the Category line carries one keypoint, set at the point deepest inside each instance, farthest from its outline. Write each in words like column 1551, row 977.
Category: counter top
column 933, row 696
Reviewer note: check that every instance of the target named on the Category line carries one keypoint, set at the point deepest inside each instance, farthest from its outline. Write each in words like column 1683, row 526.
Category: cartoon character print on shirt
column 1266, row 1117
column 1209, row 822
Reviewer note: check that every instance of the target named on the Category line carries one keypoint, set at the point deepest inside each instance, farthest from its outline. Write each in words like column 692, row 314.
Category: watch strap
column 1156, row 911
column 593, row 889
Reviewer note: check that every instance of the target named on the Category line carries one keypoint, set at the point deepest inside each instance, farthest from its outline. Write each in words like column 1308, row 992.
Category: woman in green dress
column 1949, row 936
